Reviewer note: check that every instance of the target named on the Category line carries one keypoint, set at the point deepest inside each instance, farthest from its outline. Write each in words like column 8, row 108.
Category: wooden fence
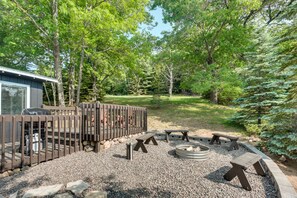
column 34, row 139
column 105, row 121
column 42, row 138
column 62, row 110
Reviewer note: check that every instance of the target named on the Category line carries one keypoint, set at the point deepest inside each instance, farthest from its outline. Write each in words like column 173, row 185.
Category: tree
column 76, row 37
column 281, row 136
column 169, row 59
column 211, row 33
column 50, row 33
column 263, row 88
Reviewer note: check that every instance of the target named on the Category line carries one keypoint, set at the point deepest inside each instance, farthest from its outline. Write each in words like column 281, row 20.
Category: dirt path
column 289, row 168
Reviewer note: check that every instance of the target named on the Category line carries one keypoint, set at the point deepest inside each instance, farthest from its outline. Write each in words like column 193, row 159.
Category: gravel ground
column 158, row 173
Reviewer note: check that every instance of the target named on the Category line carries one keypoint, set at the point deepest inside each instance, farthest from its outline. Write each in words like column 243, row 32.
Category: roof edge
column 27, row 74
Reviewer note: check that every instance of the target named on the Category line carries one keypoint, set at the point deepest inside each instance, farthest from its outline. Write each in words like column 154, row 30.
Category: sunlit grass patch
column 190, row 110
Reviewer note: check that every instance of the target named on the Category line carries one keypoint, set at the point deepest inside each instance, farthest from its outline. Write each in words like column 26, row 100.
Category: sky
column 161, row 26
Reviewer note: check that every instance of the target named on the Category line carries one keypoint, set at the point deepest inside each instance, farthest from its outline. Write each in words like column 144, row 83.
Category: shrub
column 156, row 101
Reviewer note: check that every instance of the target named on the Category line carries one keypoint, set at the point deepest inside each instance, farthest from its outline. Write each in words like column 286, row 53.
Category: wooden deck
column 14, row 160
column 64, row 131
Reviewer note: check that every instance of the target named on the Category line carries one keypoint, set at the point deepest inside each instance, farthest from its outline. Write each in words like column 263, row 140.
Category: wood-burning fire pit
column 197, row 152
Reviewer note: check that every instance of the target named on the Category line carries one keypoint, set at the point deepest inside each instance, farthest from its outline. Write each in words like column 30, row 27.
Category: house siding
column 36, row 89
column 36, row 100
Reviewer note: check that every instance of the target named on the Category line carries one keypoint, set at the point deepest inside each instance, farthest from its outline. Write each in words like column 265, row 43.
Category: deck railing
column 55, row 110
column 106, row 121
column 32, row 139
column 36, row 139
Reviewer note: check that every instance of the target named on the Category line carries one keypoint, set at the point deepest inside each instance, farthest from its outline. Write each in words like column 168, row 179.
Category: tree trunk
column 95, row 90
column 259, row 116
column 54, row 93
column 56, row 54
column 71, row 79
column 170, row 70
column 80, row 73
column 214, row 96
column 214, row 91
column 46, row 93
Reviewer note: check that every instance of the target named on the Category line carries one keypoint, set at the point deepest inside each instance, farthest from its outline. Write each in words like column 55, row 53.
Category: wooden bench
column 242, row 163
column 233, row 139
column 184, row 132
column 146, row 139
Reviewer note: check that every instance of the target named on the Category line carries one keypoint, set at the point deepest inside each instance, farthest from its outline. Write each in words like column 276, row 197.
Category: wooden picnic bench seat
column 242, row 163
column 146, row 139
column 184, row 132
column 233, row 139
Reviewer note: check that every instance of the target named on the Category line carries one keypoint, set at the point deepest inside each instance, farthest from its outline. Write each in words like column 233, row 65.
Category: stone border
column 283, row 186
column 70, row 190
column 281, row 182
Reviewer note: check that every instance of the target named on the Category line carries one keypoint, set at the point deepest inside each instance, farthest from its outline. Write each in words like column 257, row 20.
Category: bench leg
column 212, row 139
column 185, row 136
column 233, row 145
column 238, row 171
column 259, row 168
column 153, row 140
column 230, row 174
column 243, row 180
column 140, row 145
column 167, row 136
column 215, row 138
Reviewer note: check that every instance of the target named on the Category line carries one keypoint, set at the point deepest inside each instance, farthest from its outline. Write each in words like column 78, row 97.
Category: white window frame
column 15, row 84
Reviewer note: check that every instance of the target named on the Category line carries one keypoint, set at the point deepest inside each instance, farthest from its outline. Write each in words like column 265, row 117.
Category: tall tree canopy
column 73, row 37
column 213, row 36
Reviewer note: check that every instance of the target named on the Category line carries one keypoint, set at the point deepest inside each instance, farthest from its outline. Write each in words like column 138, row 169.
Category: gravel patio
column 158, row 173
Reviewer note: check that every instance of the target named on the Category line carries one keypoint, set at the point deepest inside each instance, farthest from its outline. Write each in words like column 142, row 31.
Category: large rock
column 107, row 145
column 63, row 195
column 96, row 194
column 88, row 148
column 17, row 170
column 283, row 158
column 111, row 143
column 5, row 174
column 10, row 172
column 43, row 191
column 14, row 195
column 121, row 140
column 85, row 143
column 77, row 187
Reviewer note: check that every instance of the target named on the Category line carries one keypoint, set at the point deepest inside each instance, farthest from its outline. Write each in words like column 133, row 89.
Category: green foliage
column 99, row 35
column 264, row 87
column 210, row 36
column 228, row 94
column 281, row 139
column 156, row 101
column 253, row 129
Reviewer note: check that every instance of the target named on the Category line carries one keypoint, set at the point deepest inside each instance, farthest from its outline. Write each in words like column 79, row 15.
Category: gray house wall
column 36, row 89
column 36, row 100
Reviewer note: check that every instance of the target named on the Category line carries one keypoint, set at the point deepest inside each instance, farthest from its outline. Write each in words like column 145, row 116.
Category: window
column 14, row 98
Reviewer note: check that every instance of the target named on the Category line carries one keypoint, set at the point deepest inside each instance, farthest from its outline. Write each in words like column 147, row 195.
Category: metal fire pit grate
column 197, row 152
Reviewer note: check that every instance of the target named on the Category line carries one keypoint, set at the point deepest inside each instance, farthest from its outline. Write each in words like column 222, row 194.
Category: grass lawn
column 187, row 112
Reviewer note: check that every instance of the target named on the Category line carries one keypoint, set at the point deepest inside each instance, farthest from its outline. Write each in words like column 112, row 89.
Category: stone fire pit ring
column 191, row 151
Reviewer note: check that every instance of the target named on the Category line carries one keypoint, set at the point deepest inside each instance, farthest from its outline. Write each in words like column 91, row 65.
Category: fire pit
column 197, row 152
